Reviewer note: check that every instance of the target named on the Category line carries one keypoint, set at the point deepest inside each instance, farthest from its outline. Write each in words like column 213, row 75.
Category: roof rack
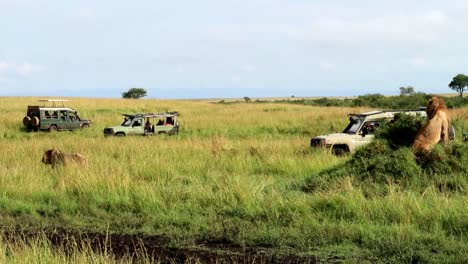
column 151, row 114
column 419, row 109
column 54, row 101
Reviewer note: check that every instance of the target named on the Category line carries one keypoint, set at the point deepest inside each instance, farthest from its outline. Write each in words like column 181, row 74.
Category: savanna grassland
column 235, row 174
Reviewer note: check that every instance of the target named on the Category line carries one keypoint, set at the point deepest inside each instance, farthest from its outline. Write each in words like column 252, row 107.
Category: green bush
column 401, row 131
column 379, row 162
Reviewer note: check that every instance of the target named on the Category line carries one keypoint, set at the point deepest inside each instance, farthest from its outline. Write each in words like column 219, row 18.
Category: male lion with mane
column 56, row 157
column 436, row 128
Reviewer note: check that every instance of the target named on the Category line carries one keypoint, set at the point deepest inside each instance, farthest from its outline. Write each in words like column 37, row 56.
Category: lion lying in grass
column 436, row 128
column 56, row 157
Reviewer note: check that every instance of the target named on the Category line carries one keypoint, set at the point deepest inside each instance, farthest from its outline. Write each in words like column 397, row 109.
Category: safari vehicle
column 359, row 131
column 53, row 117
column 146, row 124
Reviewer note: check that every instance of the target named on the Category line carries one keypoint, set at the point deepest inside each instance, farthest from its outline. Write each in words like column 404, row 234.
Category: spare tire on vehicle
column 26, row 121
column 35, row 121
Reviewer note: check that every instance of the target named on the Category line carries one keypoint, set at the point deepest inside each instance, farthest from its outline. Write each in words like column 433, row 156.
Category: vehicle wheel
column 339, row 151
column 84, row 126
column 53, row 128
column 120, row 134
column 35, row 121
column 26, row 121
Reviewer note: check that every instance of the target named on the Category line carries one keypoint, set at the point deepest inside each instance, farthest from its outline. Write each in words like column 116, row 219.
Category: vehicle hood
column 333, row 135
column 116, row 127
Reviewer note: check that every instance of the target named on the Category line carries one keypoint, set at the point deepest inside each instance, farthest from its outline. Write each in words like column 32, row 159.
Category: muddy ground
column 157, row 248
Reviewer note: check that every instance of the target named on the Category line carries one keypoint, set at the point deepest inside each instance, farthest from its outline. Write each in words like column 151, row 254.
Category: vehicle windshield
column 74, row 116
column 353, row 126
column 126, row 122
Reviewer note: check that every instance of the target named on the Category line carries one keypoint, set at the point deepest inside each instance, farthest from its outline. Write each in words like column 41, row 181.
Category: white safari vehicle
column 360, row 130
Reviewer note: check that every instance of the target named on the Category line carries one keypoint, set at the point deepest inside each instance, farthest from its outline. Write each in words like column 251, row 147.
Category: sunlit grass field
column 232, row 174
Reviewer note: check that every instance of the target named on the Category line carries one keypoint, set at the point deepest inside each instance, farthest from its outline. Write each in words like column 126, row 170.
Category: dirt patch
column 156, row 248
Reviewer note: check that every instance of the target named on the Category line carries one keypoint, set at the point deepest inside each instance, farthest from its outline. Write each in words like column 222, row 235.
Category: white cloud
column 235, row 79
column 227, row 35
column 86, row 14
column 25, row 69
column 19, row 69
column 436, row 18
column 4, row 66
column 327, row 66
column 398, row 28
column 417, row 62
column 180, row 68
column 249, row 68
column 14, row 2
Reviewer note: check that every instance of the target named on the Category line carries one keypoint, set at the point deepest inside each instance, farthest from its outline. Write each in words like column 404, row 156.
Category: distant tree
column 408, row 90
column 134, row 93
column 247, row 99
column 459, row 84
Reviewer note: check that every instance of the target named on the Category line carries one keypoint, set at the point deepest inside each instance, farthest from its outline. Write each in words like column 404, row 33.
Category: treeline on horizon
column 410, row 101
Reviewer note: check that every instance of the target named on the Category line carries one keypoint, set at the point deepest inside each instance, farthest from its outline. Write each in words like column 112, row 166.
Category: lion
column 435, row 130
column 56, row 157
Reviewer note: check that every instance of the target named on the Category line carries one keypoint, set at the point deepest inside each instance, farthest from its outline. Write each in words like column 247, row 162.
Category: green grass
column 39, row 250
column 242, row 173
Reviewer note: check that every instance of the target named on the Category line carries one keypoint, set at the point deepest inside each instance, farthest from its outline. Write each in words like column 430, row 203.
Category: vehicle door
column 136, row 128
column 173, row 127
column 352, row 130
column 74, row 121
column 47, row 119
column 169, row 123
column 160, row 125
column 63, row 120
column 366, row 133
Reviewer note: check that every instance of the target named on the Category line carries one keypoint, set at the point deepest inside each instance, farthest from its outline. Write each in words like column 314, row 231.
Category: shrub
column 379, row 162
column 401, row 131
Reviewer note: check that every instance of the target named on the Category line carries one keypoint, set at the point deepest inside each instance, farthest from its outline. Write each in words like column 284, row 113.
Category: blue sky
column 230, row 48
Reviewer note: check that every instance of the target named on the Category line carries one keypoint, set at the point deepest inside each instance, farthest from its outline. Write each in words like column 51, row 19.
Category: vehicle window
column 160, row 122
column 137, row 123
column 72, row 116
column 47, row 114
column 126, row 122
column 369, row 127
column 353, row 127
column 63, row 115
column 55, row 115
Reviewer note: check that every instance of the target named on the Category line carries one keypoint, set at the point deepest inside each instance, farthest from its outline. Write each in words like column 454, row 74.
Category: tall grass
column 230, row 175
column 40, row 250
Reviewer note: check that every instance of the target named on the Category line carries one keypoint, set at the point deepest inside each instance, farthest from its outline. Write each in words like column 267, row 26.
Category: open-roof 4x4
column 53, row 117
column 146, row 124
